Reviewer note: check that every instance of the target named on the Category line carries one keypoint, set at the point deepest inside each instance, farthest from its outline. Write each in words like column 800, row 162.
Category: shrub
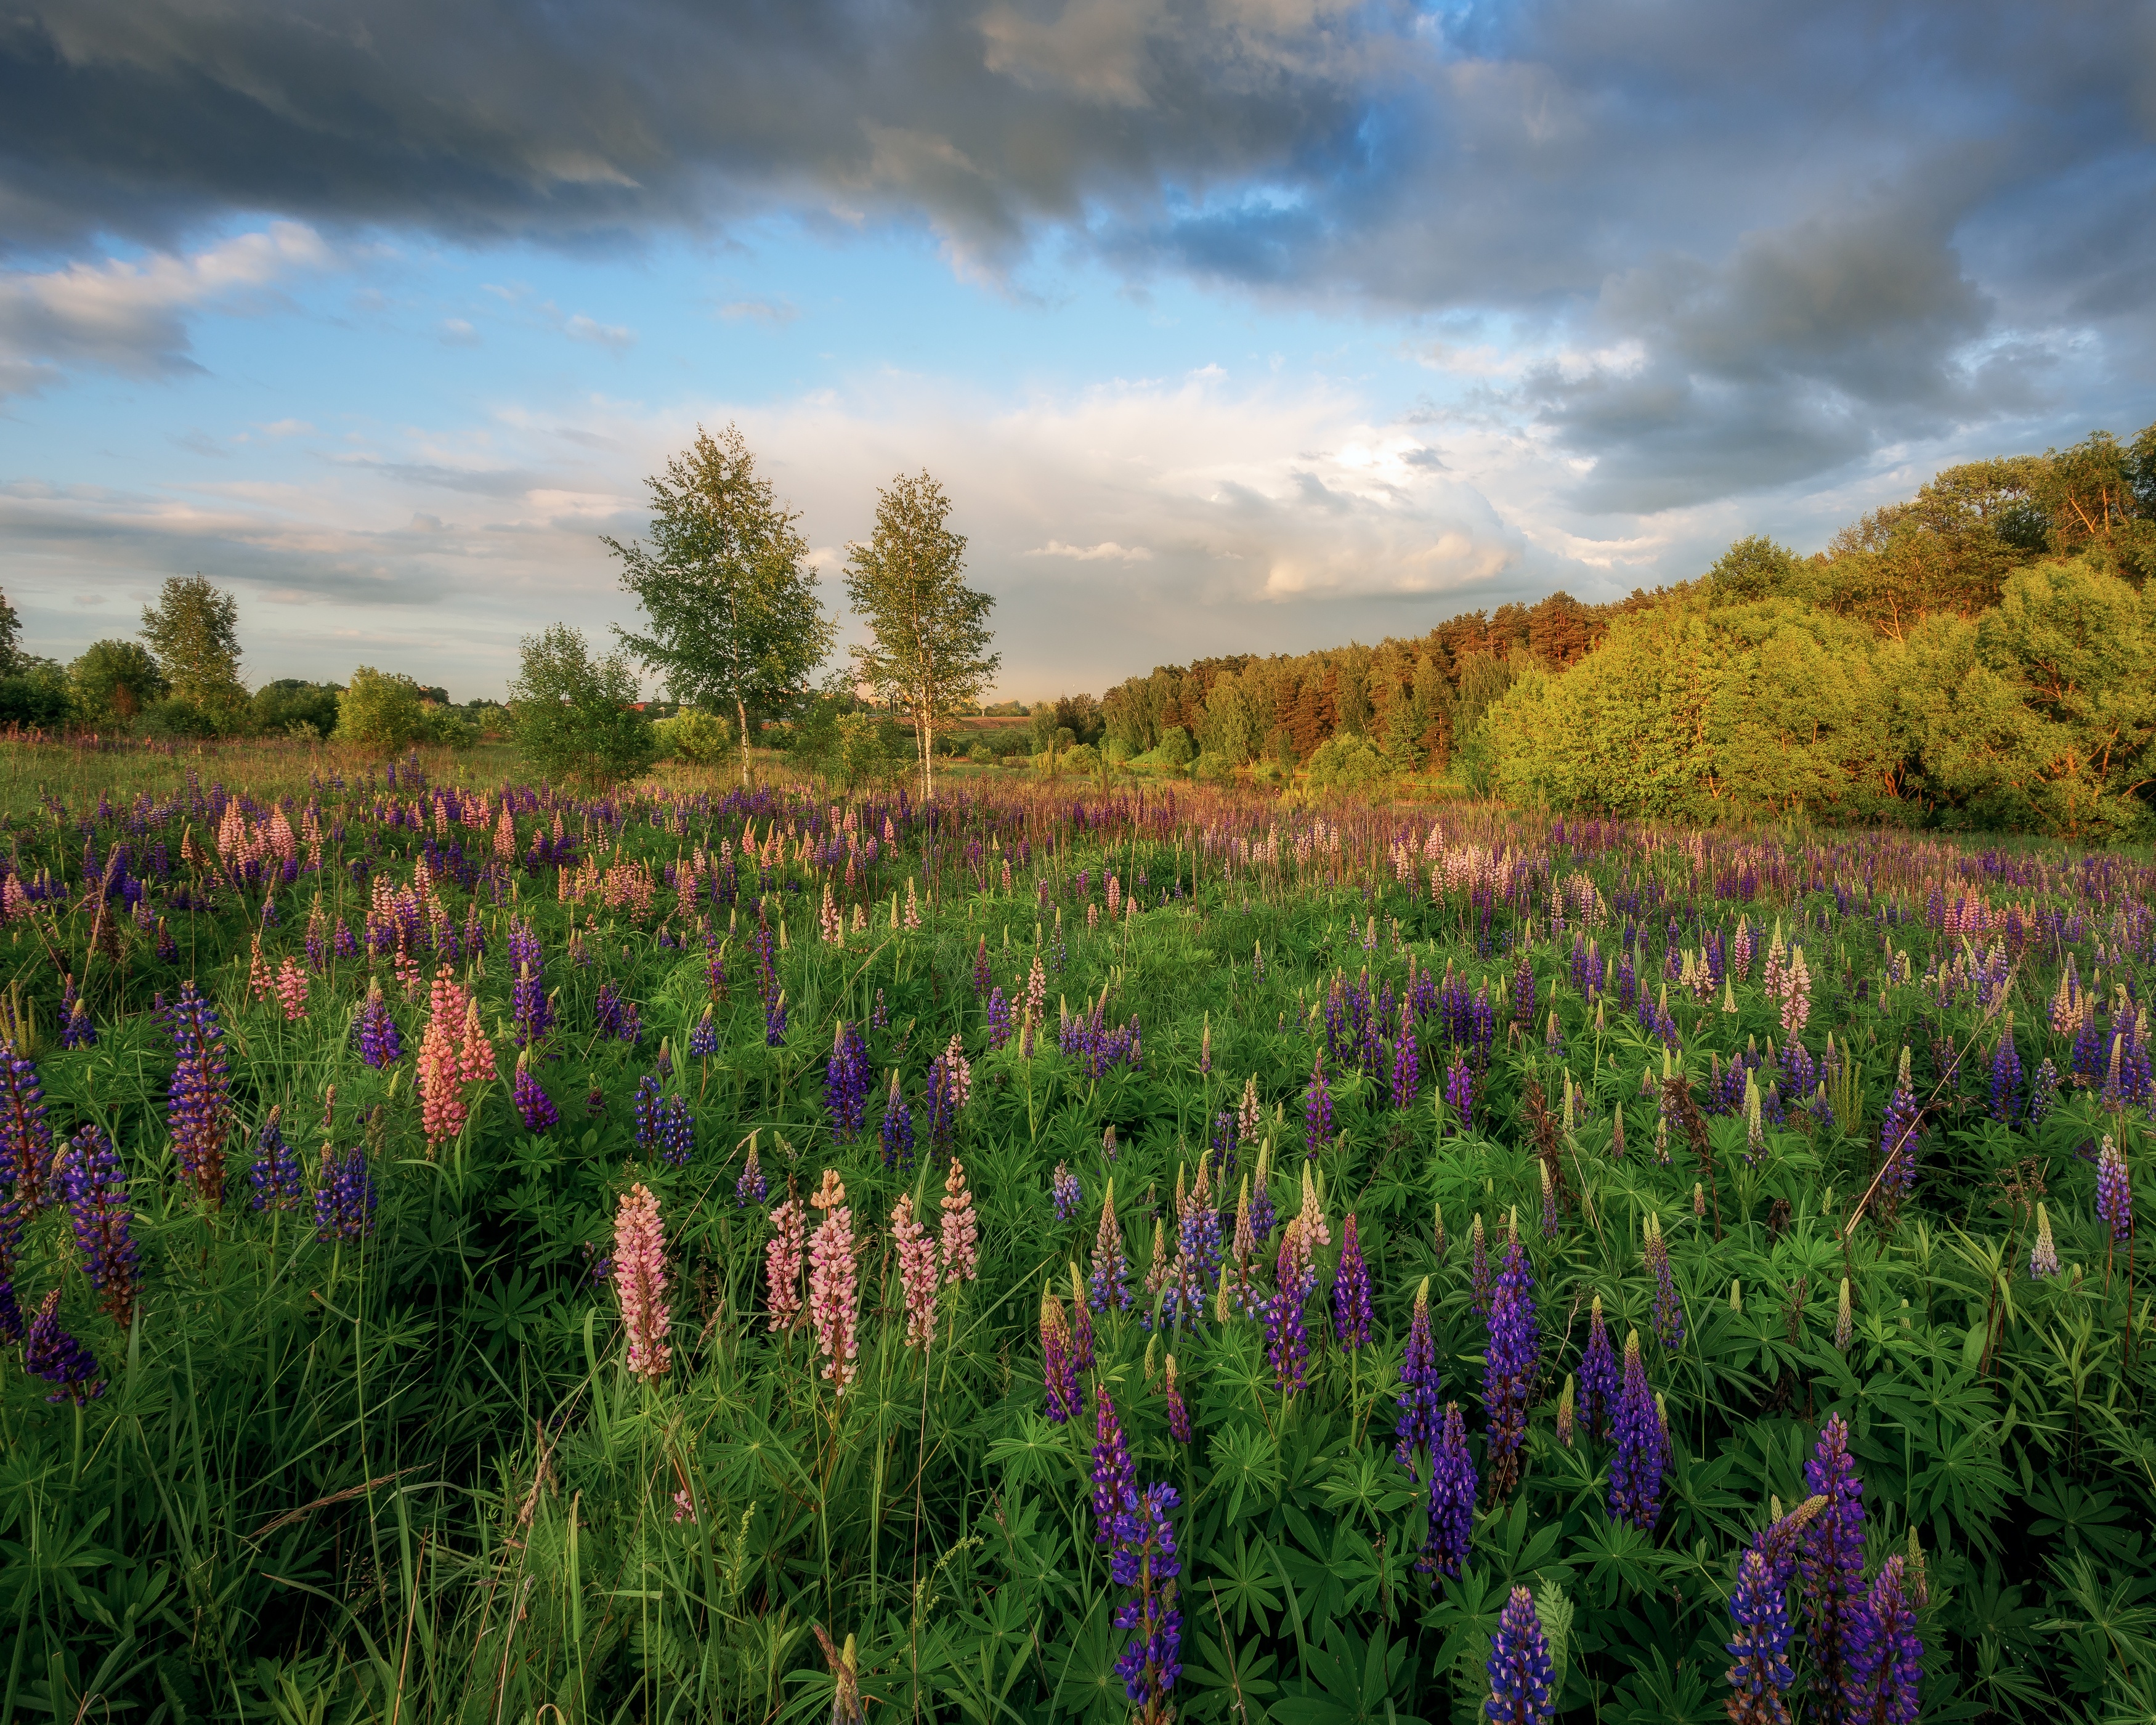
column 289, row 707
column 113, row 681
column 1349, row 764
column 1176, row 747
column 700, row 738
column 573, row 713
column 380, row 712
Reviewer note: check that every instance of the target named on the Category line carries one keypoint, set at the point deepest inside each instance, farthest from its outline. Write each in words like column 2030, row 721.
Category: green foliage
column 1753, row 568
column 380, row 711
column 1176, row 748
column 1350, row 766
column 735, row 618
column 289, row 707
column 112, row 682
column 35, row 694
column 703, row 739
column 193, row 632
column 573, row 713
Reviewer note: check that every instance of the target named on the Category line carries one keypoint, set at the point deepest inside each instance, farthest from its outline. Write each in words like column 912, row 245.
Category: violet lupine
column 846, row 1078
column 958, row 1234
column 750, row 1187
column 639, row 1282
column 533, row 1105
column 1287, row 1343
column 832, row 1287
column 1460, row 1093
column 1179, row 1415
column 1115, row 1480
column 1669, row 1308
column 1599, row 1379
column 1317, row 1108
column 1407, row 1065
column 11, row 1245
column 1081, row 1324
column 1521, row 1676
column 1760, row 1673
column 1888, row 1668
column 1351, row 1291
column 198, row 1106
column 379, row 1044
column 1264, row 1217
column 1416, row 1426
column 1643, row 1447
column 1898, row 1130
column 97, row 1206
column 1064, row 1188
column 919, row 1276
column 50, row 1353
column 344, row 1196
column 897, row 1128
column 999, row 1019
column 950, row 1087
column 704, row 1038
column 2006, row 1076
column 1059, row 1367
column 1108, row 1289
column 783, row 1255
column 677, row 1131
column 1832, row 1562
column 76, row 1029
column 1452, row 1501
column 275, row 1175
column 1510, row 1362
column 2114, row 1192
column 24, row 1135
column 1144, row 1560
column 645, row 1112
column 529, row 1010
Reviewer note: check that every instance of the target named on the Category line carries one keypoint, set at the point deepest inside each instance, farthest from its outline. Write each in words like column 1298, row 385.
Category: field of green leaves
column 480, row 1251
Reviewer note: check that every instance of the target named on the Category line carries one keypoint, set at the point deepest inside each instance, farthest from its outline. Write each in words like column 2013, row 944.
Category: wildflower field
column 485, row 1251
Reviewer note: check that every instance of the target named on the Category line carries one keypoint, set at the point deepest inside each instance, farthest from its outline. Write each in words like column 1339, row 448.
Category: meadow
column 481, row 1249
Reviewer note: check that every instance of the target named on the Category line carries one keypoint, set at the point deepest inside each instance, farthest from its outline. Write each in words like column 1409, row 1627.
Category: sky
column 1229, row 326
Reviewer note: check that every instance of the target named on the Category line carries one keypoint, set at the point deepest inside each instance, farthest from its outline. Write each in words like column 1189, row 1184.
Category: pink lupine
column 919, row 1273
column 639, row 1279
column 781, row 1263
column 476, row 1055
column 833, row 1301
column 959, row 1234
column 292, row 990
column 1796, row 992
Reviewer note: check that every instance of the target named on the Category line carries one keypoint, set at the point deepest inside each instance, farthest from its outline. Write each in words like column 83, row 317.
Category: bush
column 445, row 727
column 574, row 714
column 288, row 707
column 1213, row 767
column 113, row 682
column 1176, row 747
column 380, row 712
column 177, row 719
column 1350, row 765
column 702, row 739
column 980, row 755
column 37, row 697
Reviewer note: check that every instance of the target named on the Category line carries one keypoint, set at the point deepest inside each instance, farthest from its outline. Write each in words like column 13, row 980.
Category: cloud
column 774, row 312
column 612, row 337
column 458, row 332
column 1106, row 549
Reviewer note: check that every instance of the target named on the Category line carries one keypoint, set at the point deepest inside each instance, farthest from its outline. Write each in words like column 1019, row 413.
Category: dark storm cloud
column 1811, row 229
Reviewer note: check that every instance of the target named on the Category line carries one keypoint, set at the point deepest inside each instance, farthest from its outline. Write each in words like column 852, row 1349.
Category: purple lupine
column 1145, row 1562
column 1108, row 1288
column 1264, row 1218
column 645, row 1112
column 846, row 1079
column 1886, row 1670
column 76, row 1029
column 677, row 1131
column 1521, row 1676
column 2043, row 1091
column 2006, row 1078
column 1063, row 1187
column 379, row 1044
column 533, row 1105
column 197, row 1106
column 1643, row 1448
column 1178, row 1414
column 1058, row 1368
column 1198, row 1237
column 344, row 1196
column 11, row 1246
column 751, row 1187
column 2114, row 1192
column 97, row 1205
column 1832, row 1562
column 531, row 1012
column 1599, row 1379
column 25, row 1137
column 1760, row 1610
column 897, row 1129
column 275, row 1176
column 1451, row 1500
column 1898, row 1133
column 1418, row 1422
column 1317, row 1108
column 999, row 1019
column 50, row 1353
column 1460, row 1093
column 704, row 1038
column 524, row 948
column 1407, row 1065
column 1510, row 1362
column 1287, row 1343
column 1351, row 1291
column 1669, row 1308
column 1114, row 1480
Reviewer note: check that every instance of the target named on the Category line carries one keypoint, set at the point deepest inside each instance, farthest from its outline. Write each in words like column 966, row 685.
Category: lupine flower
column 97, row 1205
column 897, row 1128
column 1520, row 1671
column 379, row 1044
column 454, row 1053
column 1460, row 1093
column 1178, row 1416
column 1566, row 1413
column 950, row 1087
column 1887, row 1670
column 1144, row 1560
column 1417, row 1424
column 1058, row 1369
column 529, row 1010
column 1109, row 1288
column 644, row 1113
column 1549, row 1203
column 291, row 990
column 677, row 1131
column 1832, row 1562
column 1063, row 1187
column 1898, row 1131
column 1760, row 1610
column 1317, row 1108
column 1599, row 1380
column 50, row 1353
column 344, row 1196
column 1478, row 1264
column 1081, row 1323
column 704, row 1038
column 918, row 1275
column 2006, row 1076
column 1287, row 1343
column 2044, row 1255
column 198, row 1107
column 1669, row 1309
column 640, row 1281
column 1845, row 1319
column 24, row 1136
column 1114, row 1481
column 846, row 1078
column 832, row 1294
column 275, row 1175
column 2043, row 1091
column 533, row 1105
column 1643, row 1447
column 783, row 1253
column 750, row 1187
column 76, row 1029
column 1351, row 1291
column 1510, row 1363
column 1452, row 1501
column 999, row 1019
column 1263, row 1216
column 2114, row 1192
column 1407, row 1065
column 959, row 1234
